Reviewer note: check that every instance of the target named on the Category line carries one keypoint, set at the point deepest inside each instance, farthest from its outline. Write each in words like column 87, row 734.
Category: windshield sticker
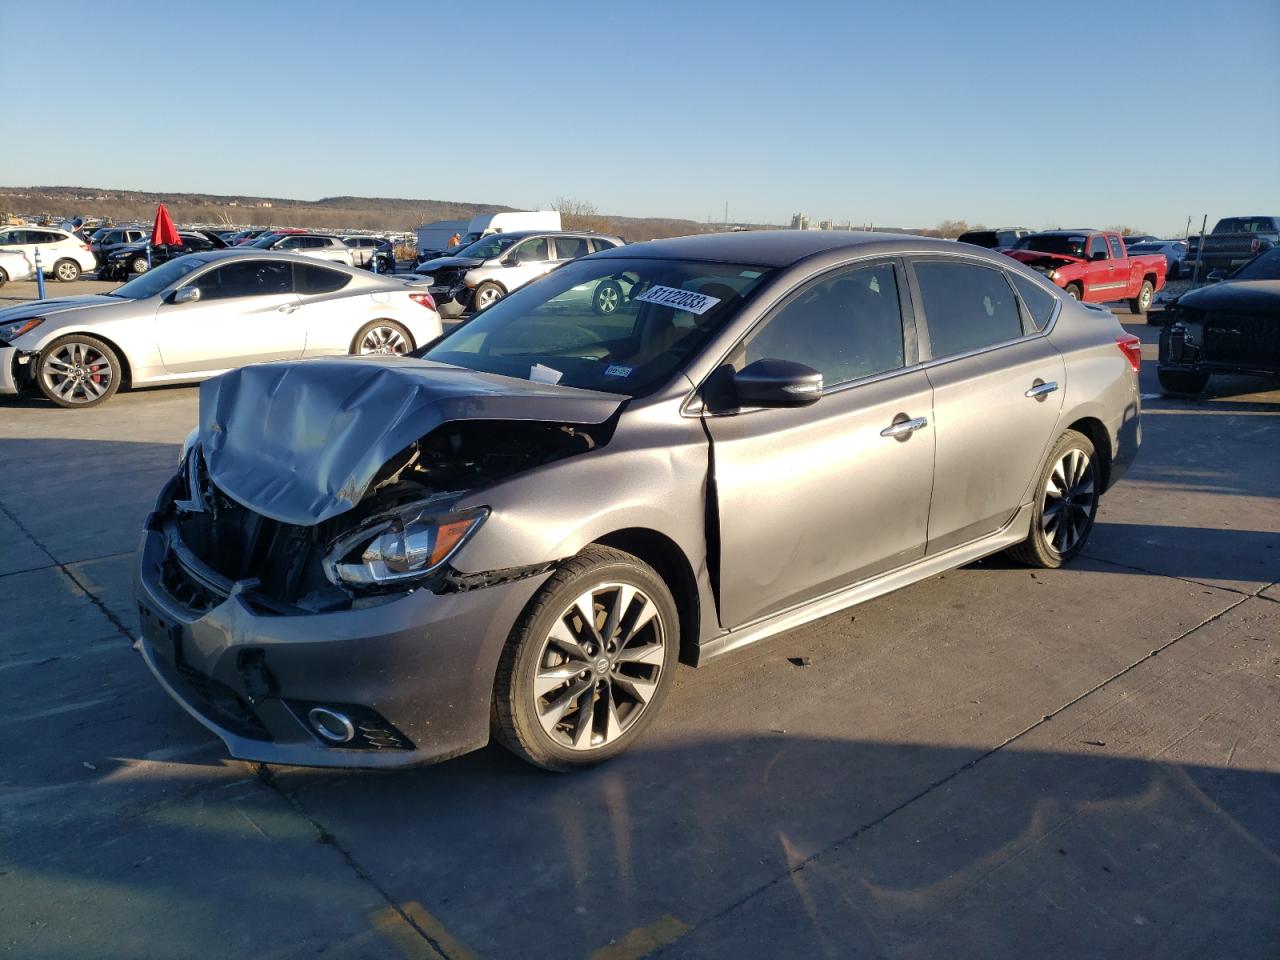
column 687, row 300
column 618, row 370
column 750, row 274
column 540, row 373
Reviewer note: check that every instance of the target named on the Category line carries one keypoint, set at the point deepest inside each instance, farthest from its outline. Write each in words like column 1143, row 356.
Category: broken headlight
column 12, row 331
column 400, row 547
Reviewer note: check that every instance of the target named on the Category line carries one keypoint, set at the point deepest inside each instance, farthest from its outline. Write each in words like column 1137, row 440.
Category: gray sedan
column 202, row 314
column 523, row 529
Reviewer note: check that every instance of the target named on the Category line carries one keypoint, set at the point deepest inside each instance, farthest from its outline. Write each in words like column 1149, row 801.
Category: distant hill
column 391, row 214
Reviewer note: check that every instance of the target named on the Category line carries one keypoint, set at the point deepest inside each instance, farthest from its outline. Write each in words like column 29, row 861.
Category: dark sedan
column 1227, row 327
column 132, row 257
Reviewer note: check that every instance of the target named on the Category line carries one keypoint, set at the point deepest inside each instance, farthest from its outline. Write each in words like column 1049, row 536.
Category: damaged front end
column 296, row 583
column 399, row 536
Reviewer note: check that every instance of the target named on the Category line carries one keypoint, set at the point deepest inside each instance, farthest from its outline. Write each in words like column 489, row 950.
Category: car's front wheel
column 382, row 336
column 1066, row 503
column 1074, row 291
column 589, row 663
column 139, row 265
column 1182, row 383
column 486, row 295
column 4, row 278
column 66, row 271
column 78, row 371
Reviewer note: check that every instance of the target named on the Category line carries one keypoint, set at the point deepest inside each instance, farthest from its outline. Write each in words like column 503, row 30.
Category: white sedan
column 203, row 314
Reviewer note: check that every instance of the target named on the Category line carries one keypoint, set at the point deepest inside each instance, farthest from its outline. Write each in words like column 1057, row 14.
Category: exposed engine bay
column 279, row 565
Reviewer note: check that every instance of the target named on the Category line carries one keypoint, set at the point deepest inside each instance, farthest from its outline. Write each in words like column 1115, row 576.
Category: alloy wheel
column 599, row 666
column 76, row 372
column 607, row 299
column 488, row 296
column 383, row 340
column 1070, row 499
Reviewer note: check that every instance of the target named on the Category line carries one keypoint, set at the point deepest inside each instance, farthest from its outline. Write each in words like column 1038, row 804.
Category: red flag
column 164, row 232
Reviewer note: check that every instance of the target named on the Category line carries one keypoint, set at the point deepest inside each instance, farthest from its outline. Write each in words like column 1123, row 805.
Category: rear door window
column 967, row 306
column 847, row 325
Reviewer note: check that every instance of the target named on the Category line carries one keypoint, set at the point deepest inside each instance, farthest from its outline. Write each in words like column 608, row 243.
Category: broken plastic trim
column 456, row 582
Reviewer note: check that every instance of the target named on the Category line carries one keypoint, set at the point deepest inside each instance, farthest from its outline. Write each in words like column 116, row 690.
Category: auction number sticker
column 687, row 300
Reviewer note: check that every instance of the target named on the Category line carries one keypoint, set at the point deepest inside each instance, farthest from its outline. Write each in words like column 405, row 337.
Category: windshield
column 1265, row 266
column 611, row 324
column 153, row 281
column 485, row 248
column 1071, row 245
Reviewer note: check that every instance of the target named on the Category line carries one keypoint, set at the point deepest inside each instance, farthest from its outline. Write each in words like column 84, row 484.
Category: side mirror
column 777, row 383
column 512, row 261
column 1216, row 276
column 186, row 295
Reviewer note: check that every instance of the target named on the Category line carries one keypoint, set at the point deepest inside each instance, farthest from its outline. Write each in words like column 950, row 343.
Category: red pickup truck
column 1093, row 265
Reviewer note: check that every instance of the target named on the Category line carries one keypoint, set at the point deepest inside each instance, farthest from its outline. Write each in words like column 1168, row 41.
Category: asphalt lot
column 992, row 763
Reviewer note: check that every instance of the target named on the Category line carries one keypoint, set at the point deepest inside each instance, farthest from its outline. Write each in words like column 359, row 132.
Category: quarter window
column 967, row 306
column 1117, row 248
column 1038, row 301
column 313, row 280
column 846, row 326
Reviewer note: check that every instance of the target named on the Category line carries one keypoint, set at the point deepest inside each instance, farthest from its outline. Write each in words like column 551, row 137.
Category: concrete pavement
column 996, row 762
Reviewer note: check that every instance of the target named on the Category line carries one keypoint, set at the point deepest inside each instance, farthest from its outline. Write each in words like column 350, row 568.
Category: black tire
column 516, row 723
column 78, row 371
column 400, row 347
column 607, row 298
column 1142, row 302
column 1074, row 291
column 1182, row 383
column 4, row 277
column 1053, row 542
column 66, row 271
column 138, row 265
column 486, row 295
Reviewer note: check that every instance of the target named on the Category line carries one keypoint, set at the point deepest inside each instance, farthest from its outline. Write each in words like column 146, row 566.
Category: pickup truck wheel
column 1074, row 291
column 1182, row 383
column 1142, row 302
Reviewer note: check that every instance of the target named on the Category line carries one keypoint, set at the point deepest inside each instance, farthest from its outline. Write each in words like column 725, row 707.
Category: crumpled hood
column 301, row 441
column 1041, row 259
column 442, row 263
column 47, row 308
column 1262, row 296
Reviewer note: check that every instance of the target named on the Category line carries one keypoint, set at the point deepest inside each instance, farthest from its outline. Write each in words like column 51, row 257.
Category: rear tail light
column 423, row 299
column 85, row 246
column 1131, row 347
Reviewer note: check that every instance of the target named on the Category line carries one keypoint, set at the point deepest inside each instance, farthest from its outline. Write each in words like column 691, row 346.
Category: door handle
column 290, row 307
column 901, row 429
column 1039, row 390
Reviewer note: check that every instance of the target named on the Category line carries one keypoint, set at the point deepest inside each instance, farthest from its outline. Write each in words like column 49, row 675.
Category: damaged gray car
column 521, row 530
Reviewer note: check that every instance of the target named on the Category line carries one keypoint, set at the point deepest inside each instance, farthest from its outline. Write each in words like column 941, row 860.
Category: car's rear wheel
column 1182, row 383
column 382, row 336
column 486, row 295
column 66, row 271
column 4, row 277
column 1142, row 302
column 78, row 371
column 1066, row 504
column 607, row 298
column 589, row 663
column 139, row 265
column 1074, row 291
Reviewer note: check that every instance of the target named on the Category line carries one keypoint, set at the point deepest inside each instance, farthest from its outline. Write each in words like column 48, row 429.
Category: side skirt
column 1015, row 531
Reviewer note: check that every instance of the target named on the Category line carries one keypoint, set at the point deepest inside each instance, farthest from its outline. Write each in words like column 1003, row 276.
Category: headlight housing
column 1052, row 274
column 12, row 331
column 400, row 547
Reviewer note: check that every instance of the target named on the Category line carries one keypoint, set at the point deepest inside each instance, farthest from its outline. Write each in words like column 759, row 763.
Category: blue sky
column 893, row 113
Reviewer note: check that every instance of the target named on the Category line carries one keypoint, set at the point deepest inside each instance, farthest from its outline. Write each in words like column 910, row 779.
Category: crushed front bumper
column 414, row 673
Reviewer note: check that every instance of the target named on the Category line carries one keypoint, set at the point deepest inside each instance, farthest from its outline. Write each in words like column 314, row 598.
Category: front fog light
column 399, row 547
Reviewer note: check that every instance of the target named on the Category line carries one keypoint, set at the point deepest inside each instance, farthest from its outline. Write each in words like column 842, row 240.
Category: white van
column 489, row 223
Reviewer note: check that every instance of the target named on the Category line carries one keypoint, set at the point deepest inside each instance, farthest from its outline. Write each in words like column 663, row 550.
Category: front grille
column 446, row 277
column 1247, row 340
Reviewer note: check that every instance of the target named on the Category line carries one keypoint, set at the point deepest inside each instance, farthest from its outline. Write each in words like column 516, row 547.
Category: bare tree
column 581, row 215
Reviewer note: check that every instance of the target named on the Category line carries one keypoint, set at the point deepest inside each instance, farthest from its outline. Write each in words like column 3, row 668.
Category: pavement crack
column 835, row 845
column 324, row 836
column 66, row 570
column 1170, row 576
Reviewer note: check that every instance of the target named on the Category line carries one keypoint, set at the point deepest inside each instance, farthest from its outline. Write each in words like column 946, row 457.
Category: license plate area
column 161, row 634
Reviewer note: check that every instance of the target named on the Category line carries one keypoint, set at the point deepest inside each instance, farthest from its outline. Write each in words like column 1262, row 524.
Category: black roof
column 772, row 248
